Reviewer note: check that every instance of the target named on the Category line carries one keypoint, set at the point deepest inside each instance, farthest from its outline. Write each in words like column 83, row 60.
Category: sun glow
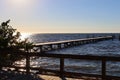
column 20, row 3
column 24, row 36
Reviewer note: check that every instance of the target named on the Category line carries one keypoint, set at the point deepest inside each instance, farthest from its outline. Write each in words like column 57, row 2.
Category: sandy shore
column 12, row 75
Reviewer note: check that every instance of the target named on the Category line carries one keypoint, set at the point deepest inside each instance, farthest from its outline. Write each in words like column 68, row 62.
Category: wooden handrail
column 71, row 56
column 103, row 60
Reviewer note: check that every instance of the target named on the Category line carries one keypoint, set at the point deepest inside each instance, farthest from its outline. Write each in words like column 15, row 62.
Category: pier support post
column 61, row 67
column 103, row 69
column 27, row 64
column 41, row 50
column 51, row 47
column 59, row 46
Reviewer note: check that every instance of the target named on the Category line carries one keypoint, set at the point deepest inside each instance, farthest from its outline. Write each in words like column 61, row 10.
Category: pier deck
column 48, row 46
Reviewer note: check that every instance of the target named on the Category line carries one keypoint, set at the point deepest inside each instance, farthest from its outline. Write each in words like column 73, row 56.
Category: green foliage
column 10, row 41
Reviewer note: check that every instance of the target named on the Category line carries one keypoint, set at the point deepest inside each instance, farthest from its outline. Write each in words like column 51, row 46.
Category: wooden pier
column 44, row 47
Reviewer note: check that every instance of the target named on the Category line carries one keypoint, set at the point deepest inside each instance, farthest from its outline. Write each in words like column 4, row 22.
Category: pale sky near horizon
column 62, row 16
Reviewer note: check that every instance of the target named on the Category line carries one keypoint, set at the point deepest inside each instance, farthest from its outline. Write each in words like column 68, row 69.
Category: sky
column 62, row 16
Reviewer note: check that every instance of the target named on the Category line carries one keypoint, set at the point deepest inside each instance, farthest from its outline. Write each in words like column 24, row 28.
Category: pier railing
column 62, row 72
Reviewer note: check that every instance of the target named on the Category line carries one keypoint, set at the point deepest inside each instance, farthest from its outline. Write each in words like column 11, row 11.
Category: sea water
column 108, row 48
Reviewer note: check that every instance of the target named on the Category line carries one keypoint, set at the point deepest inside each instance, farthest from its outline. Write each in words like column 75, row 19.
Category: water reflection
column 24, row 36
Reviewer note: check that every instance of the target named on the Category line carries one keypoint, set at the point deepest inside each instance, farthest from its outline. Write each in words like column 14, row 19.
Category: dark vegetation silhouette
column 10, row 42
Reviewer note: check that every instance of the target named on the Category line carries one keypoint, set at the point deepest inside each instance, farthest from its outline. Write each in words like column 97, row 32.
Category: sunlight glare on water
column 24, row 36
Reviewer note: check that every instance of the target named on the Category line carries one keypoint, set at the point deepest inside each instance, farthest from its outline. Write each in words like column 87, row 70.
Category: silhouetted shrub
column 10, row 42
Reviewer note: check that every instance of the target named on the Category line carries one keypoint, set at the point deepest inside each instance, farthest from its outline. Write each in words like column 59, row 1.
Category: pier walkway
column 49, row 46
